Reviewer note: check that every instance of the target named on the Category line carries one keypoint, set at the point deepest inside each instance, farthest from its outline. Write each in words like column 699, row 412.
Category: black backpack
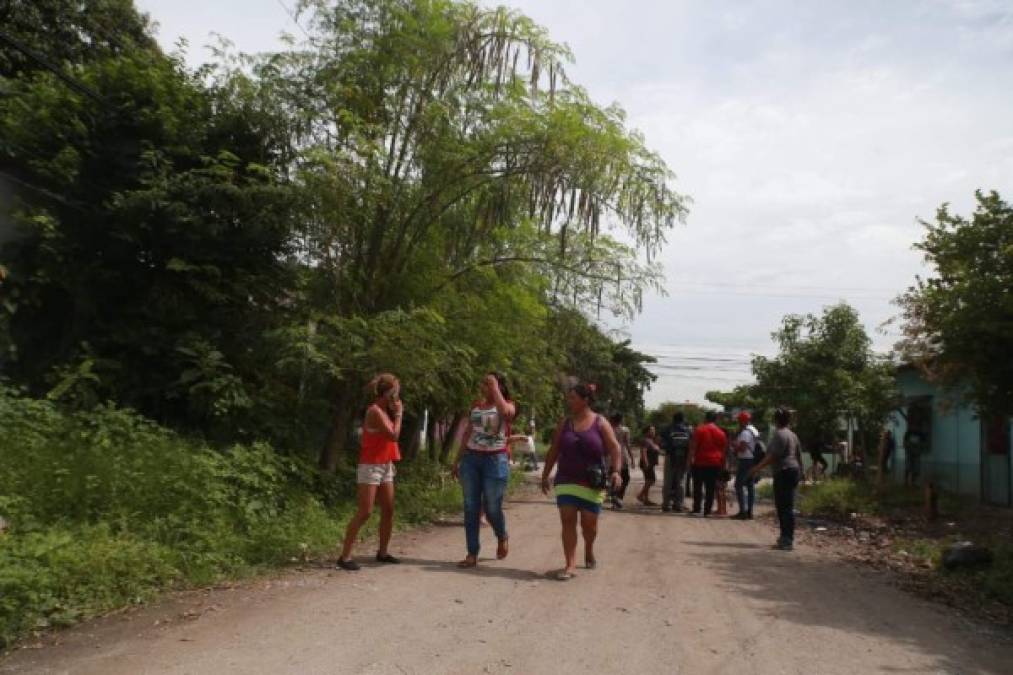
column 759, row 451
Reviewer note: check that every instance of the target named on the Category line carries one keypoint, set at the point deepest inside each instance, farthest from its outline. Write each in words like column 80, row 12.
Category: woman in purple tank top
column 586, row 450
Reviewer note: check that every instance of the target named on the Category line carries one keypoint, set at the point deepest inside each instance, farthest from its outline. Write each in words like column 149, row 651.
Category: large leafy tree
column 438, row 141
column 826, row 370
column 958, row 323
column 416, row 187
column 63, row 35
column 440, row 120
column 153, row 233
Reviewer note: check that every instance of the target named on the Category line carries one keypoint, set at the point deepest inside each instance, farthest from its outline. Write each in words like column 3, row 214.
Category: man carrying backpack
column 747, row 444
column 675, row 444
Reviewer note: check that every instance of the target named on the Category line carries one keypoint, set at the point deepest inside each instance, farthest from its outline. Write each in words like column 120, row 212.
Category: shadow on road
column 811, row 591
column 728, row 544
column 492, row 570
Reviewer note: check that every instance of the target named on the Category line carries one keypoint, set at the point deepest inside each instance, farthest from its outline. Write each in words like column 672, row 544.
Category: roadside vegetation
column 886, row 526
column 201, row 268
column 106, row 509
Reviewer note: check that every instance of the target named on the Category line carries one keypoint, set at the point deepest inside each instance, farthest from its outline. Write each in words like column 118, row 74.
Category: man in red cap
column 707, row 457
column 745, row 486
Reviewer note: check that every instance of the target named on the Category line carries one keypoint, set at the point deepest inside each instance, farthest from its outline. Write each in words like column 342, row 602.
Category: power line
column 292, row 16
column 787, row 287
column 44, row 191
column 718, row 291
column 71, row 82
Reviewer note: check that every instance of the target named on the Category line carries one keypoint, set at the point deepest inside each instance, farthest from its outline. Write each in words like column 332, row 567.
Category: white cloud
column 810, row 135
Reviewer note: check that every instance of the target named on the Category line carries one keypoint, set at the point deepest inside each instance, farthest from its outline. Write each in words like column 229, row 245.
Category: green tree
column 154, row 243
column 417, row 187
column 826, row 371
column 65, row 34
column 440, row 140
column 958, row 323
column 661, row 416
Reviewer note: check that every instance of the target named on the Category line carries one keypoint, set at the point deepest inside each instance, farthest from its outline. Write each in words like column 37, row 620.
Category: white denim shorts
column 375, row 474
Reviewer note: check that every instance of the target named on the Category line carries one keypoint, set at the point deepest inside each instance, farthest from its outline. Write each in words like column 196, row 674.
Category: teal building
column 962, row 453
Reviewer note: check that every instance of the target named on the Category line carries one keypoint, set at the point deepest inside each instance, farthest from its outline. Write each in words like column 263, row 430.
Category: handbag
column 597, row 476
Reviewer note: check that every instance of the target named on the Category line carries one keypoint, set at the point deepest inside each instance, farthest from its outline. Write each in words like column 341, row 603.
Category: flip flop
column 590, row 564
column 563, row 575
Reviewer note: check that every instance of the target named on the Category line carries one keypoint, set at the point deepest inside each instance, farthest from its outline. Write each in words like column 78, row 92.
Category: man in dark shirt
column 914, row 446
column 675, row 444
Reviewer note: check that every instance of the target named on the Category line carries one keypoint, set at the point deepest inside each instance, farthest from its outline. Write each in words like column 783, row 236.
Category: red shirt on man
column 710, row 443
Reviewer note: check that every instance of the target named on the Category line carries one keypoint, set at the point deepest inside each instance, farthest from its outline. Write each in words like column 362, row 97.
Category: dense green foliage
column 417, row 187
column 201, row 269
column 958, row 323
column 661, row 415
column 825, row 371
column 106, row 508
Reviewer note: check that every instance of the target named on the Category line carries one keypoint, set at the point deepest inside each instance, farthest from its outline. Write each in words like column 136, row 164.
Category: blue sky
column 810, row 135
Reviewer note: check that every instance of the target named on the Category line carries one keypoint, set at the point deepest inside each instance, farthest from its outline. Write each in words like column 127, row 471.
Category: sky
column 811, row 137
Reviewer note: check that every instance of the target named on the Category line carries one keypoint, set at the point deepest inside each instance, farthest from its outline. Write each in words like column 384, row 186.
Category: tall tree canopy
column 958, row 323
column 826, row 370
column 417, row 186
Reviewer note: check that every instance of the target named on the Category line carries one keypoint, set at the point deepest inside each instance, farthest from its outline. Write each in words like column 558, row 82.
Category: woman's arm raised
column 505, row 408
column 378, row 419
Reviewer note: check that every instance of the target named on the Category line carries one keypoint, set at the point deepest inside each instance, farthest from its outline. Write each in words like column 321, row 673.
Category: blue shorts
column 581, row 504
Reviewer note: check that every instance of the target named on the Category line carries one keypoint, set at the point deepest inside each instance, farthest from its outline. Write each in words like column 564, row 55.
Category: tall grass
column 106, row 509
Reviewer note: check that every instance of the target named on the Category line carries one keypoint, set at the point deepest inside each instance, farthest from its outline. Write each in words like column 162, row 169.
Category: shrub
column 106, row 508
column 998, row 578
column 838, row 498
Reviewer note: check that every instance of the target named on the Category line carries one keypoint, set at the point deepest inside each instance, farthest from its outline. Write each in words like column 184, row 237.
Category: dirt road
column 672, row 594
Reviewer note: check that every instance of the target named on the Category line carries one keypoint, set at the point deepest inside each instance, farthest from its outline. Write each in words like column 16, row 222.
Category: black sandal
column 348, row 565
column 387, row 558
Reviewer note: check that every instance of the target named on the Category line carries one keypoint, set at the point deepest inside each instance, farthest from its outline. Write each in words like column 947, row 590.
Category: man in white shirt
column 525, row 443
column 745, row 486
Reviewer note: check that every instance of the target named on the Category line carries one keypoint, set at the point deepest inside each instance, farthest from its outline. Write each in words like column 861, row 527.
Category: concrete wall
column 955, row 459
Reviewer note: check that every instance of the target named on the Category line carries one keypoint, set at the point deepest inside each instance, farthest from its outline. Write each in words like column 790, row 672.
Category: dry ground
column 672, row 594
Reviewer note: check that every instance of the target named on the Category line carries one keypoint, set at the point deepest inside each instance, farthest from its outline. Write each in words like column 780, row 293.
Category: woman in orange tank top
column 375, row 473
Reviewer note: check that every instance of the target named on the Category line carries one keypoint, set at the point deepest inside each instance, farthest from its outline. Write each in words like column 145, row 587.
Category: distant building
column 963, row 453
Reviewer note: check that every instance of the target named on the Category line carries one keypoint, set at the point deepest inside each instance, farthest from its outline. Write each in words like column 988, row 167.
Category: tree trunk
column 431, row 438
column 448, row 438
column 410, row 437
column 337, row 439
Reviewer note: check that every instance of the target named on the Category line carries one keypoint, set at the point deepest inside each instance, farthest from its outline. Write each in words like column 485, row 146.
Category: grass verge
column 877, row 513
column 106, row 509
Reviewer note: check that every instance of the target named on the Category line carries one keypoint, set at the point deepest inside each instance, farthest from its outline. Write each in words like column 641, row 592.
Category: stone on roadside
column 965, row 554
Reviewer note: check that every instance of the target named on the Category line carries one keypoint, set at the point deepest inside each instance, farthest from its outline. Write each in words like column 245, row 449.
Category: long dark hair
column 380, row 385
column 782, row 417
column 588, row 392
column 504, row 388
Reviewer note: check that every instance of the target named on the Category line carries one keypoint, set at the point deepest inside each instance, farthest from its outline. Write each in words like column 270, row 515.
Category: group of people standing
column 700, row 461
column 584, row 452
column 591, row 455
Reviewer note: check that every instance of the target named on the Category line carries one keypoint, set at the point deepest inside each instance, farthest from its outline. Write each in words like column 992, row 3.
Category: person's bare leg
column 365, row 496
column 568, row 517
column 385, row 495
column 589, row 528
column 647, row 492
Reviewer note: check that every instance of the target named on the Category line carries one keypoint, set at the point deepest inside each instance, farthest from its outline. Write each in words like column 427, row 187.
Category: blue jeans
column 484, row 480
column 745, row 487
